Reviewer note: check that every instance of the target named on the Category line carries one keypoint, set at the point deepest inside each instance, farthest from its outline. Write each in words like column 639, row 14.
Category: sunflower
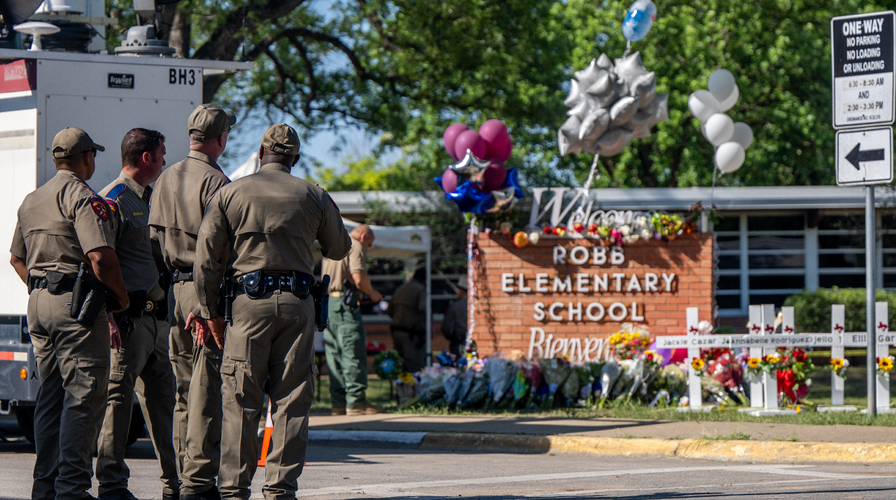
column 773, row 359
column 886, row 364
column 753, row 363
column 837, row 364
column 698, row 364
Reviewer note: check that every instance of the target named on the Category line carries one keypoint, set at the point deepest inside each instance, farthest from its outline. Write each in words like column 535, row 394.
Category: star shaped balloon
column 470, row 165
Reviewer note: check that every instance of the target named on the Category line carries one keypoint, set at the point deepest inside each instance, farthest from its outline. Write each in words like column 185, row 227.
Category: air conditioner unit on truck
column 65, row 85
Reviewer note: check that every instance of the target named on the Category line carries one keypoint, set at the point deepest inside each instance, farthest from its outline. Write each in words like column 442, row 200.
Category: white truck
column 44, row 91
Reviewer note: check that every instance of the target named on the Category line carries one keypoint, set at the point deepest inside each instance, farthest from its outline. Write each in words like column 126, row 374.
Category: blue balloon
column 469, row 199
column 638, row 20
column 513, row 180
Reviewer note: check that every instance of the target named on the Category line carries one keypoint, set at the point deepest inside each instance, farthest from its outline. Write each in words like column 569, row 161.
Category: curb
column 729, row 451
column 697, row 449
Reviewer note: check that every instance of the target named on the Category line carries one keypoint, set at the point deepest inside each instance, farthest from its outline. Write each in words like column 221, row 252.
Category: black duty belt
column 178, row 275
column 257, row 283
column 66, row 284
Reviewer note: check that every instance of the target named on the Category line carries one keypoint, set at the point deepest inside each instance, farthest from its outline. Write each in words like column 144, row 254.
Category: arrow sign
column 857, row 156
column 865, row 157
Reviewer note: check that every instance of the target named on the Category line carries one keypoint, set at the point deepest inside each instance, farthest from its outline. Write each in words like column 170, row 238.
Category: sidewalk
column 616, row 437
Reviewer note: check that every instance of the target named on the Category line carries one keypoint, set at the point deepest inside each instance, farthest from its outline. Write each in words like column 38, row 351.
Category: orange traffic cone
column 266, row 442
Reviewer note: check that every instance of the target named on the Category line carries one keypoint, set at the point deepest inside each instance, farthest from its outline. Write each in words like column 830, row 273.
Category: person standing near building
column 408, row 312
column 261, row 229
column 454, row 325
column 63, row 249
column 142, row 361
column 345, row 340
column 178, row 203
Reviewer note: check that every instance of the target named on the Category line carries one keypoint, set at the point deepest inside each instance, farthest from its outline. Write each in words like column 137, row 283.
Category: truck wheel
column 137, row 429
column 25, row 418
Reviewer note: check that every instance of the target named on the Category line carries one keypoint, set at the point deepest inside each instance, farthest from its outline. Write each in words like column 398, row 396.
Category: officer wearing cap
column 63, row 243
column 142, row 361
column 261, row 228
column 178, row 203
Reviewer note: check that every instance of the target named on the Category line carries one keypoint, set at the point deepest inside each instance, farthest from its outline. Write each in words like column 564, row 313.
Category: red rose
column 548, row 230
column 799, row 355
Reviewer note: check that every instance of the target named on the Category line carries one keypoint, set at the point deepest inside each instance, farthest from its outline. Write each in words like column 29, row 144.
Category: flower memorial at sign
column 793, row 374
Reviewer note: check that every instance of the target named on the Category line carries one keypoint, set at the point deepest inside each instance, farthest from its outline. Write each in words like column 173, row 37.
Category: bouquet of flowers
column 501, row 375
column 555, row 372
column 793, row 374
column 769, row 363
column 404, row 387
column 884, row 365
column 432, row 382
column 838, row 366
column 697, row 365
column 631, row 342
column 388, row 365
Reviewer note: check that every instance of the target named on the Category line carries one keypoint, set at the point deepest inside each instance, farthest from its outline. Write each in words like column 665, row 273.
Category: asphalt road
column 356, row 470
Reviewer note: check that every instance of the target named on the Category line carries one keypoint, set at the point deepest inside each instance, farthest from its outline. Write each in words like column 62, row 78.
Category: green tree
column 405, row 69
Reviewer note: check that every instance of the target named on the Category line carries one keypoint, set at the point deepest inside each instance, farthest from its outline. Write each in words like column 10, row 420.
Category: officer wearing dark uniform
column 262, row 228
column 142, row 362
column 408, row 311
column 62, row 249
column 454, row 325
column 178, row 203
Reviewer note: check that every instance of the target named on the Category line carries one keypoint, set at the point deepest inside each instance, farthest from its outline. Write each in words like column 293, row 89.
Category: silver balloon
column 623, row 111
column 470, row 165
column 644, row 88
column 610, row 105
column 589, row 75
column 568, row 136
column 504, row 200
column 575, row 94
column 594, row 125
column 630, row 68
column 614, row 141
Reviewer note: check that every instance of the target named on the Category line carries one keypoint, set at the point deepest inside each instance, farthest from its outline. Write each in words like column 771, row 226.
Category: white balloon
column 623, row 111
column 702, row 104
column 743, row 135
column 719, row 129
column 729, row 157
column 721, row 84
column 730, row 101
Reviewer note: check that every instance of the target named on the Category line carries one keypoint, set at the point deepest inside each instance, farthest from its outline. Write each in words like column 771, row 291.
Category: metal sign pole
column 870, row 288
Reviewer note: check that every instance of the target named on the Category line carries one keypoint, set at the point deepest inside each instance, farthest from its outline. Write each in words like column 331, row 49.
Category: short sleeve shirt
column 354, row 262
column 133, row 243
column 59, row 223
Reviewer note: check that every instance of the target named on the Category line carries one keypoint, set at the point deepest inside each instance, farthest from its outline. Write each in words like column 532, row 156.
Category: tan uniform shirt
column 132, row 237
column 268, row 221
column 59, row 223
column 178, row 202
column 408, row 307
column 354, row 262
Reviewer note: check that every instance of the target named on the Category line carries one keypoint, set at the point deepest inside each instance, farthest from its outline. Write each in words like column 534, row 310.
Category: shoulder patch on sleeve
column 115, row 192
column 113, row 207
column 100, row 208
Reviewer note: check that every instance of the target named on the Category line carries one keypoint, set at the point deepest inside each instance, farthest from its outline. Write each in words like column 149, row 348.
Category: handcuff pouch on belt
column 89, row 297
column 256, row 284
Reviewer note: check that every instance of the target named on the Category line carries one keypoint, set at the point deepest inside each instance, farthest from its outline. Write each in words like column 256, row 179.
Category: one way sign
column 865, row 156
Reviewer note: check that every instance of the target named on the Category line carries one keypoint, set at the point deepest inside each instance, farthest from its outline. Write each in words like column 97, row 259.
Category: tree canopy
column 403, row 70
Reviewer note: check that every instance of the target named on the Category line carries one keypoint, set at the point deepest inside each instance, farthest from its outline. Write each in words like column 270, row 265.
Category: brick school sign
column 567, row 296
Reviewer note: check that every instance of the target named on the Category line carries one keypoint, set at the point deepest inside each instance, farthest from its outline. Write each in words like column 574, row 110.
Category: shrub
column 813, row 309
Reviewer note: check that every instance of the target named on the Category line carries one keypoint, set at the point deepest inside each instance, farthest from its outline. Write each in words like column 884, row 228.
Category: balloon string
column 628, row 47
column 712, row 190
column 471, row 284
column 591, row 178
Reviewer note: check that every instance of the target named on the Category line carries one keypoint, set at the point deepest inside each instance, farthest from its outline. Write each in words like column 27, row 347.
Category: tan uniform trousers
column 272, row 339
column 197, row 371
column 142, row 364
column 73, row 364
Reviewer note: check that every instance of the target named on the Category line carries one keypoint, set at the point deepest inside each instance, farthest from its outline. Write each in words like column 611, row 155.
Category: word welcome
column 578, row 350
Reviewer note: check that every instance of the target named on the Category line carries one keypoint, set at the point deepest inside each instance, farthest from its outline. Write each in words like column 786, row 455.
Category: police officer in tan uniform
column 261, row 228
column 345, row 340
column 408, row 311
column 142, row 361
column 63, row 227
column 178, row 202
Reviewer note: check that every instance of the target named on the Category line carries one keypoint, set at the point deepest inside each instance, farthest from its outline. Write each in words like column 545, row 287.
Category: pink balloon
column 493, row 177
column 450, row 136
column 470, row 139
column 503, row 155
column 495, row 134
column 449, row 181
